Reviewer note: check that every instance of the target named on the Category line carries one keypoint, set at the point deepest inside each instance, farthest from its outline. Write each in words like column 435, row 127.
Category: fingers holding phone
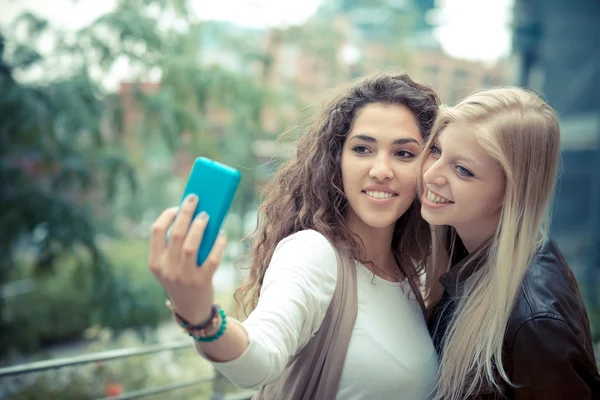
column 185, row 262
column 214, row 257
column 158, row 242
column 180, row 229
column 173, row 261
column 191, row 244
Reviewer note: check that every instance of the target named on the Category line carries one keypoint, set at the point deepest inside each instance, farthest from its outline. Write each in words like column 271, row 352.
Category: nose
column 433, row 173
column 381, row 169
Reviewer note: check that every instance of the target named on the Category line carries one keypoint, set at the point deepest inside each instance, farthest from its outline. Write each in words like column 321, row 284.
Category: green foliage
column 57, row 308
column 99, row 380
column 63, row 304
column 67, row 156
column 139, row 300
column 53, row 163
column 52, row 159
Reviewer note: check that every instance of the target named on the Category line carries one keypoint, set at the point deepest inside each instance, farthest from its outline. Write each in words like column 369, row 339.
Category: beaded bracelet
column 206, row 331
column 203, row 337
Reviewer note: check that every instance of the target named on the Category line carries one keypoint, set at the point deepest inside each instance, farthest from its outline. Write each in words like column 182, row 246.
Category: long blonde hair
column 522, row 133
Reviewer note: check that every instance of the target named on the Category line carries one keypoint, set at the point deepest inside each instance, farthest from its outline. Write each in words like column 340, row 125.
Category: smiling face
column 379, row 165
column 463, row 185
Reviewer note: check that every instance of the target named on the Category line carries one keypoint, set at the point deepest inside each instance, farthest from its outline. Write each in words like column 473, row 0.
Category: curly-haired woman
column 336, row 260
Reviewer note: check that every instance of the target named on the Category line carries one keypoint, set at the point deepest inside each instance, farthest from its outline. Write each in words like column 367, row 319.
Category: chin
column 379, row 223
column 431, row 218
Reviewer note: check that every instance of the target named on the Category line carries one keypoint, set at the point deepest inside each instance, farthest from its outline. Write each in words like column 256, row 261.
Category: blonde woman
column 507, row 317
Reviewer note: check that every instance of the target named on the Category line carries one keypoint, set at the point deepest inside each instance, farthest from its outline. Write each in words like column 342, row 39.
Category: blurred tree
column 67, row 147
column 54, row 161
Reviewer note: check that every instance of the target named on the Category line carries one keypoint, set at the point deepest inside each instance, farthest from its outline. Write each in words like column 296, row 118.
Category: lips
column 379, row 195
column 436, row 198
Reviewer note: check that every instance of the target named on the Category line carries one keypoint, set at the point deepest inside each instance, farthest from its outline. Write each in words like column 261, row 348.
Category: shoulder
column 549, row 288
column 307, row 240
column 542, row 328
column 548, row 350
column 549, row 303
column 305, row 251
column 308, row 245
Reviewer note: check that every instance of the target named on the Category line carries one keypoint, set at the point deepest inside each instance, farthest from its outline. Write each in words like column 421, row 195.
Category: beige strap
column 315, row 372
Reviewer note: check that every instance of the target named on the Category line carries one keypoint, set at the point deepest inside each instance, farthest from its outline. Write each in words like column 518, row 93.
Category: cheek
column 407, row 176
column 482, row 201
column 343, row 162
column 492, row 195
column 346, row 168
column 497, row 199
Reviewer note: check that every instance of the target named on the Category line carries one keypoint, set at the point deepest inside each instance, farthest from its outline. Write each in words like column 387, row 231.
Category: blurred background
column 105, row 105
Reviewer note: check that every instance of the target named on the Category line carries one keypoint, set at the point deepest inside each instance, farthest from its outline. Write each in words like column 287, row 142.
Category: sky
column 471, row 29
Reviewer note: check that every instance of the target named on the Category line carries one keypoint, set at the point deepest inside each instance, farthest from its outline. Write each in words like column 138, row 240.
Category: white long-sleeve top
column 390, row 355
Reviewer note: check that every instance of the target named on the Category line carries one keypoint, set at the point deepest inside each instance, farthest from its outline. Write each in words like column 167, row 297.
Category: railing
column 219, row 382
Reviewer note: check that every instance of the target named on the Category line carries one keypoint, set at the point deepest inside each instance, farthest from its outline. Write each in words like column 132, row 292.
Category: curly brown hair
column 307, row 192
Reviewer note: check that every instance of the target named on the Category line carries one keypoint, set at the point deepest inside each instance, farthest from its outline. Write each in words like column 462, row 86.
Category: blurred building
column 374, row 19
column 384, row 35
column 452, row 78
column 556, row 51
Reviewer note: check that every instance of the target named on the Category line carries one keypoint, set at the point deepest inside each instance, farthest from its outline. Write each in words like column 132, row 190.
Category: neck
column 474, row 234
column 472, row 239
column 377, row 244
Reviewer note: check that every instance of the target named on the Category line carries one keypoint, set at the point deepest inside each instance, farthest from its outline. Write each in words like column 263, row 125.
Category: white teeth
column 435, row 198
column 379, row 195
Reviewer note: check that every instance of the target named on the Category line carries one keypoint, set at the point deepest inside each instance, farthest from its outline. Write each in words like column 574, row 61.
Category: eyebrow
column 371, row 139
column 461, row 157
column 468, row 160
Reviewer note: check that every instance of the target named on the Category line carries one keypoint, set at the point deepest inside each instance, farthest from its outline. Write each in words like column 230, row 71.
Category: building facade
column 556, row 51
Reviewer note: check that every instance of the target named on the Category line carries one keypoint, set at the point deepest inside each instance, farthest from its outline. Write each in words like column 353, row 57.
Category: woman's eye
column 405, row 154
column 361, row 149
column 435, row 150
column 463, row 171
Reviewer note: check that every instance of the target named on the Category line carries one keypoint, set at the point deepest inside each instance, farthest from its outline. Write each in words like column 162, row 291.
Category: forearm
column 230, row 346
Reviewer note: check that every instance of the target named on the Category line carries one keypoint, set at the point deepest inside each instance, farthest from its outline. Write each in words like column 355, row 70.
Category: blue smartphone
column 215, row 185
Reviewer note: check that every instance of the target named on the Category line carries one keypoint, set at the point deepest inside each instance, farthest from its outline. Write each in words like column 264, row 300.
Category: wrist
column 198, row 316
column 207, row 331
column 201, row 316
column 197, row 310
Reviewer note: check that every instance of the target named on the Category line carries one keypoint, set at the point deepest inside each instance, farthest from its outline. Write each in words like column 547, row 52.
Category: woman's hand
column 173, row 263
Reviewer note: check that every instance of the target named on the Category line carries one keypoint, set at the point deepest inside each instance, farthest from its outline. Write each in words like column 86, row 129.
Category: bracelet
column 204, row 337
column 208, row 331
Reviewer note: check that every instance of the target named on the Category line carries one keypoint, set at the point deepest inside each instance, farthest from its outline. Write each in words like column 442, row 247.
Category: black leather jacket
column 548, row 351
